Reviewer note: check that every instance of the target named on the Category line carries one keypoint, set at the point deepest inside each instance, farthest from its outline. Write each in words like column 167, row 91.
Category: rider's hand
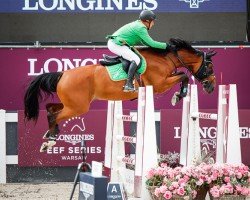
column 171, row 47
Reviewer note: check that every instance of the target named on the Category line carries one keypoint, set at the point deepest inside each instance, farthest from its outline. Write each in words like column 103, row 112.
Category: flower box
column 229, row 197
column 151, row 190
column 201, row 193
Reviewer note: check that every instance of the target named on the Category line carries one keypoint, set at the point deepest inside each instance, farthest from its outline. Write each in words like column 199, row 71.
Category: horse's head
column 205, row 72
column 199, row 63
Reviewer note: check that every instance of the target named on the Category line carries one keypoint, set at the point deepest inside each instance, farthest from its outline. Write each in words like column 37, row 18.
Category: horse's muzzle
column 208, row 86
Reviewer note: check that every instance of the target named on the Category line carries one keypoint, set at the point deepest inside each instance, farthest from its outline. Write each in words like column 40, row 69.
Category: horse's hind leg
column 72, row 111
column 53, row 109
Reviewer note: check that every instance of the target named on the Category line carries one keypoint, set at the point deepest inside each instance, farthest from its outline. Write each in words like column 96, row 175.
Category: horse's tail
column 45, row 82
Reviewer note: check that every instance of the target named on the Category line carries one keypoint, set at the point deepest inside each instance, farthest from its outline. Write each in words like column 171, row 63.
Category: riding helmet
column 147, row 15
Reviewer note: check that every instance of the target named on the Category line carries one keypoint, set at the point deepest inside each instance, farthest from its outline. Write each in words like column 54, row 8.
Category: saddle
column 113, row 60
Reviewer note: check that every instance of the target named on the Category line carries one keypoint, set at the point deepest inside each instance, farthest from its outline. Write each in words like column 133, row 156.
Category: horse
column 78, row 87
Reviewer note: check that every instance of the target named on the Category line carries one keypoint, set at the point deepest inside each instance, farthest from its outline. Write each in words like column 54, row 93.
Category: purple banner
column 171, row 132
column 18, row 66
column 68, row 150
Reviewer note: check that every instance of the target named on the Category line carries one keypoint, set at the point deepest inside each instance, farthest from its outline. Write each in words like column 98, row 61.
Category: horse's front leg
column 171, row 81
column 178, row 96
column 183, row 78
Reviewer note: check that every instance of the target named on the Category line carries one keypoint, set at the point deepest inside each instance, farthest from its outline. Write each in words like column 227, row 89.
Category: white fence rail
column 5, row 159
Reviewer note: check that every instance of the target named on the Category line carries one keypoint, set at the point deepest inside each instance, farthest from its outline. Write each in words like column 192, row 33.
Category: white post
column 233, row 140
column 150, row 145
column 146, row 146
column 118, row 146
column 109, row 133
column 3, row 163
column 228, row 137
column 184, row 128
column 139, row 141
column 194, row 146
column 221, row 125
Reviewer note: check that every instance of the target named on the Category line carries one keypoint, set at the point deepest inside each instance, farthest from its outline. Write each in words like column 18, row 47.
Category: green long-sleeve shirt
column 135, row 33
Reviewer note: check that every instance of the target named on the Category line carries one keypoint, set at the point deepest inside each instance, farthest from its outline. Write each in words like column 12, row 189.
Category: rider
column 131, row 34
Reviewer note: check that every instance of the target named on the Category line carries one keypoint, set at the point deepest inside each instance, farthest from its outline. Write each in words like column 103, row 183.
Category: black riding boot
column 129, row 86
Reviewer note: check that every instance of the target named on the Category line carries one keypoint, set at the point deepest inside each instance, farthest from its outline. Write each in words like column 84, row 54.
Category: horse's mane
column 179, row 44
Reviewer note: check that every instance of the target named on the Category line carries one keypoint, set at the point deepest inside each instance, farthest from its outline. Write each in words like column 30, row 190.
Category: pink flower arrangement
column 222, row 179
column 229, row 179
column 155, row 176
column 174, row 182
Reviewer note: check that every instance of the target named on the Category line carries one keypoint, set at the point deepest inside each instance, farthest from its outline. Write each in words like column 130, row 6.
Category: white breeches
column 123, row 51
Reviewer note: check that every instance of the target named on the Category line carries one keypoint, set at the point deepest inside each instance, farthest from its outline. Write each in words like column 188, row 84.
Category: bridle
column 204, row 70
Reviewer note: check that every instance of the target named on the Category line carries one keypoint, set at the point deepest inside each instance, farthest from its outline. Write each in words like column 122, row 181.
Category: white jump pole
column 221, row 125
column 150, row 144
column 115, row 147
column 193, row 142
column 228, row 135
column 184, row 128
column 146, row 147
column 141, row 110
column 109, row 134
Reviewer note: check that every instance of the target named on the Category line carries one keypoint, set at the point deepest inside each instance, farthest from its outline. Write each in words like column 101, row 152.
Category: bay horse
column 78, row 87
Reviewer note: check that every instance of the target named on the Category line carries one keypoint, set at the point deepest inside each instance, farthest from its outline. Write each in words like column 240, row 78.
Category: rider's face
column 151, row 24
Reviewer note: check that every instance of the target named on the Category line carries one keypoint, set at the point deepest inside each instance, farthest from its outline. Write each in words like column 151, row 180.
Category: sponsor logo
column 73, row 130
column 89, row 5
column 73, row 133
column 208, row 136
column 245, row 132
column 58, row 65
column 194, row 3
column 210, row 132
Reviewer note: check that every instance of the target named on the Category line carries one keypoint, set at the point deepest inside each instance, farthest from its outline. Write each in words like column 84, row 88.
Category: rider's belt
column 117, row 40
column 110, row 37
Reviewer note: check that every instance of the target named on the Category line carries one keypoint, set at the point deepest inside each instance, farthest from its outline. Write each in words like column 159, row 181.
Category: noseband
column 204, row 71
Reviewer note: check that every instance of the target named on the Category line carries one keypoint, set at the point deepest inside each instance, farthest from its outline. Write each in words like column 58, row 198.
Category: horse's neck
column 189, row 60
column 174, row 60
column 158, row 67
column 169, row 60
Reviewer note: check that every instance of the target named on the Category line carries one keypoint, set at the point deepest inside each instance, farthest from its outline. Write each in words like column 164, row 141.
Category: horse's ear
column 211, row 53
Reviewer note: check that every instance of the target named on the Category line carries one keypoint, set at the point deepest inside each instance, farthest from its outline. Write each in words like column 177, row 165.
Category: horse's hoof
column 47, row 145
column 46, row 135
column 133, row 90
column 51, row 144
column 44, row 147
column 175, row 99
column 129, row 89
column 136, row 90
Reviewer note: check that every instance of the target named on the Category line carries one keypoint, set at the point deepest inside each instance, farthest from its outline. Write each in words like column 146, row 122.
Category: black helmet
column 147, row 15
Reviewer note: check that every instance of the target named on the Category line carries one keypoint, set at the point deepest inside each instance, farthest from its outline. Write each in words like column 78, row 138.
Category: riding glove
column 170, row 47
